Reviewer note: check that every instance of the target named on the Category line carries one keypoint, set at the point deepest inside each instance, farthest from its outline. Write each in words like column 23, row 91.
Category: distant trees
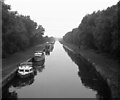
column 99, row 30
column 18, row 32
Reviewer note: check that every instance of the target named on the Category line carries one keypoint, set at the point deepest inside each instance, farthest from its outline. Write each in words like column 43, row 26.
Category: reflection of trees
column 14, row 84
column 6, row 94
column 17, row 82
column 90, row 77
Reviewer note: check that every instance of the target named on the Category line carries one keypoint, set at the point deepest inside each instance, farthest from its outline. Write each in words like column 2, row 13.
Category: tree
column 99, row 30
column 18, row 31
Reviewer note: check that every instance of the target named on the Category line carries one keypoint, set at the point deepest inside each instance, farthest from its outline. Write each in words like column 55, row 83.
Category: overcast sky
column 58, row 16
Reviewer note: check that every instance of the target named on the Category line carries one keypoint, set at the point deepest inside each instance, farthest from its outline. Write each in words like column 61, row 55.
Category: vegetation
column 18, row 32
column 99, row 31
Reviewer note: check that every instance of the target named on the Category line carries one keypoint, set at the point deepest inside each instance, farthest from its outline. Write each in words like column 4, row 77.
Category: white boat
column 25, row 70
column 38, row 53
column 38, row 56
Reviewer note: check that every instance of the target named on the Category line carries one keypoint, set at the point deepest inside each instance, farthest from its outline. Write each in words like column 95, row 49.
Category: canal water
column 64, row 74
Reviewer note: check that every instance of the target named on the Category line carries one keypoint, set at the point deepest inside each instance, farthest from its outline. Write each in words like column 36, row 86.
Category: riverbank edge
column 11, row 73
column 109, row 71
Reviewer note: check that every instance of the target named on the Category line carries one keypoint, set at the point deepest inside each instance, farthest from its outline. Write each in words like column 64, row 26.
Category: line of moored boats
column 27, row 68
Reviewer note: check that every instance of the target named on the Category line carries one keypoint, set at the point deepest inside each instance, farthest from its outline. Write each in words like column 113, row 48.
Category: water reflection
column 90, row 77
column 39, row 68
column 52, row 47
column 10, row 90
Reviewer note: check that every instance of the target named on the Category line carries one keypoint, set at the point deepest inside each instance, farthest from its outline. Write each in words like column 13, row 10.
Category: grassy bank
column 107, row 67
column 10, row 64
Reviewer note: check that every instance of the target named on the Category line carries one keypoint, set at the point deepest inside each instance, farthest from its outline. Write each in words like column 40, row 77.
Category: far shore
column 107, row 67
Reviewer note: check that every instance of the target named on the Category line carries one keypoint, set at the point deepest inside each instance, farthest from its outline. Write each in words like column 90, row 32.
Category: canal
column 64, row 74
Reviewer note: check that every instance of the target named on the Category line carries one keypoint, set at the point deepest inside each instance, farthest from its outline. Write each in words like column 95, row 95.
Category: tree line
column 18, row 31
column 99, row 31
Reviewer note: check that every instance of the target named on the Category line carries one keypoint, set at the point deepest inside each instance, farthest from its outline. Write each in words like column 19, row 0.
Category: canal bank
column 108, row 68
column 9, row 65
column 65, row 75
column 59, row 79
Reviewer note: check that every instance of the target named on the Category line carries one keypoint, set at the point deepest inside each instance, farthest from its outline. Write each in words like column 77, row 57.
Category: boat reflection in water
column 16, row 83
column 38, row 63
column 19, row 83
column 10, row 91
column 39, row 66
column 90, row 77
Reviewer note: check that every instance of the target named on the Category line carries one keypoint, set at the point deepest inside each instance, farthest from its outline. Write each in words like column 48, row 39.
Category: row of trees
column 18, row 32
column 99, row 30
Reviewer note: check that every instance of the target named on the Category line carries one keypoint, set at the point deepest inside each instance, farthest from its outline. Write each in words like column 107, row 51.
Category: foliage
column 99, row 30
column 18, row 32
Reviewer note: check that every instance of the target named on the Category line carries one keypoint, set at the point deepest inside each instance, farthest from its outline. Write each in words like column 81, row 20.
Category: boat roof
column 26, row 63
column 38, row 51
column 25, row 67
